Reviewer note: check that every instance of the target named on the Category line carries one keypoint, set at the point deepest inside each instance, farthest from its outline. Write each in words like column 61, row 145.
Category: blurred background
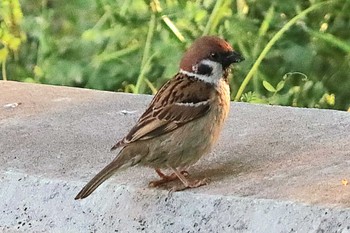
column 297, row 52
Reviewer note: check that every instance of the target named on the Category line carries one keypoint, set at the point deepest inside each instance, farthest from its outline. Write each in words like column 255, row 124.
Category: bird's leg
column 187, row 183
column 162, row 175
column 165, row 178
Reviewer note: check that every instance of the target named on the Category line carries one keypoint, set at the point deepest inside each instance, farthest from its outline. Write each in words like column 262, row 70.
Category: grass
column 136, row 46
column 270, row 44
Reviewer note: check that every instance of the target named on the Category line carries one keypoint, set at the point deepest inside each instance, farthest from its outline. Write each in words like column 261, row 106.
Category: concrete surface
column 276, row 169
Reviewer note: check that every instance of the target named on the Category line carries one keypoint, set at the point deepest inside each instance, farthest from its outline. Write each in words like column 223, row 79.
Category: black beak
column 235, row 57
column 232, row 57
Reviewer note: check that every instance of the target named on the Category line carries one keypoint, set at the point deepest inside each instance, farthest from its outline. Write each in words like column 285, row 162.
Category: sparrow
column 183, row 121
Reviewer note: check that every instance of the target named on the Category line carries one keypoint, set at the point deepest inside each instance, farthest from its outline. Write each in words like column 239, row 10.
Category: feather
column 180, row 100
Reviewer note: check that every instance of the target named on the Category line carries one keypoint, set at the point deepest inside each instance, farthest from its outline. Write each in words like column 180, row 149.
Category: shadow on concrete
column 215, row 172
column 220, row 171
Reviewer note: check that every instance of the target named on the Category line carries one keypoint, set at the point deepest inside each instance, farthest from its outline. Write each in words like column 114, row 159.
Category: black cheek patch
column 204, row 69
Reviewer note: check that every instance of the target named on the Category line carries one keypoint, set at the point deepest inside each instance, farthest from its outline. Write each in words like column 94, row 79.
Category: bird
column 182, row 122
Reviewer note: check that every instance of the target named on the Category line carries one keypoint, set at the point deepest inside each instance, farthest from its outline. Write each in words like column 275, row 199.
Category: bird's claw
column 165, row 179
column 191, row 184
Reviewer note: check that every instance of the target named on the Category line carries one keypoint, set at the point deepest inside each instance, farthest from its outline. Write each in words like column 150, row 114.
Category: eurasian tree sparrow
column 184, row 119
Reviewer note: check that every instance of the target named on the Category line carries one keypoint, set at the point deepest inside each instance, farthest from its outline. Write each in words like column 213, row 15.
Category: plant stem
column 152, row 25
column 115, row 55
column 269, row 45
column 212, row 17
column 4, row 76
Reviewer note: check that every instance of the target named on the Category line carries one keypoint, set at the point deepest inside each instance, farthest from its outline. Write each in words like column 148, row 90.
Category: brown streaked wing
column 175, row 104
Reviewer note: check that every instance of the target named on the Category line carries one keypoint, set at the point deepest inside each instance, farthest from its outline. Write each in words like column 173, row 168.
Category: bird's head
column 209, row 56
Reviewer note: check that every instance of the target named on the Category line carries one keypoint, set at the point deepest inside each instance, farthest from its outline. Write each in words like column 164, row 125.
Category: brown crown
column 201, row 49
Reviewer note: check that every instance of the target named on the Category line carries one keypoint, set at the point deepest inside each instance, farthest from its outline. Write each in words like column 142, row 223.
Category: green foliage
column 11, row 35
column 296, row 54
column 315, row 93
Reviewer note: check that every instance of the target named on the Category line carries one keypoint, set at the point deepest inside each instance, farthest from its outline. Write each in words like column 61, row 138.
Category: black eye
column 214, row 56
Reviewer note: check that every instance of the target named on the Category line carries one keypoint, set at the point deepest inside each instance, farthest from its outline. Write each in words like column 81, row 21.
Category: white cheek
column 213, row 78
column 217, row 71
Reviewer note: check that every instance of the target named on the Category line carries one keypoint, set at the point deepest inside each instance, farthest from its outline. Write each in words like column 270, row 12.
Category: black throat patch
column 204, row 70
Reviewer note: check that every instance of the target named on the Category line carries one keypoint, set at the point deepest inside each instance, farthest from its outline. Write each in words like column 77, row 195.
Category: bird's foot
column 165, row 178
column 189, row 184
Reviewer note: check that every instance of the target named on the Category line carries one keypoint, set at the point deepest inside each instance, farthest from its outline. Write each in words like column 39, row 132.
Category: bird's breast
column 223, row 100
column 219, row 111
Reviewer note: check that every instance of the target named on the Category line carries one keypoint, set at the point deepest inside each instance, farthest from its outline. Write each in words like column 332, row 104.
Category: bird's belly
column 187, row 144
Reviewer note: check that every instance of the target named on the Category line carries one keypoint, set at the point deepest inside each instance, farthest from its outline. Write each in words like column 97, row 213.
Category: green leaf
column 265, row 25
column 280, row 85
column 173, row 28
column 252, row 97
column 269, row 87
column 332, row 40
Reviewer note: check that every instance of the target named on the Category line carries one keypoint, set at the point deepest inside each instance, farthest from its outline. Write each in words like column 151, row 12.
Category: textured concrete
column 276, row 169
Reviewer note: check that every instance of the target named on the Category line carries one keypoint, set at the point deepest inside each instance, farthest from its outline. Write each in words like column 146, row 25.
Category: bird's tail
column 102, row 176
column 125, row 158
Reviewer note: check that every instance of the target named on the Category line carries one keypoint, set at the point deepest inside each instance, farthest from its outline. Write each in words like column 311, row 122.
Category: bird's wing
column 181, row 100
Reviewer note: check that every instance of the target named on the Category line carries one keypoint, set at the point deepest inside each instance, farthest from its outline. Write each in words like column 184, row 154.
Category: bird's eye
column 213, row 55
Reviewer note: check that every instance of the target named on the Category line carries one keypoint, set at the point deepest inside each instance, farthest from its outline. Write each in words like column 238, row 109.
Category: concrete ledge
column 276, row 169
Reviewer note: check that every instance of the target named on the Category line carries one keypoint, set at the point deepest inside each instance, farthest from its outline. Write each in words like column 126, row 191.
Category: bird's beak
column 235, row 57
column 230, row 58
